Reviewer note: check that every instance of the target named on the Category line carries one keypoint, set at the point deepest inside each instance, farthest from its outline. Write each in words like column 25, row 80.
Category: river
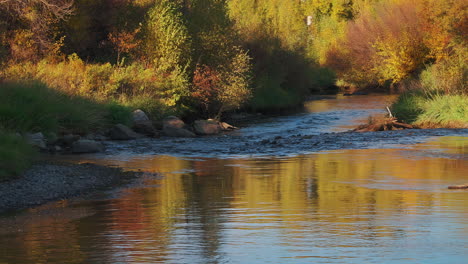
column 291, row 189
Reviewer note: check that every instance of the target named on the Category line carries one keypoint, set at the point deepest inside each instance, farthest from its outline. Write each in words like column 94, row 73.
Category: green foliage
column 269, row 95
column 167, row 48
column 408, row 106
column 15, row 155
column 167, row 42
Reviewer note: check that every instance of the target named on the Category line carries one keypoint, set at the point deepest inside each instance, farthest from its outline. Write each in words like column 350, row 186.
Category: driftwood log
column 457, row 187
column 385, row 124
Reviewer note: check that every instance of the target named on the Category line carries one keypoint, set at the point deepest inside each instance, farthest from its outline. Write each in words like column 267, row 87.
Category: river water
column 279, row 191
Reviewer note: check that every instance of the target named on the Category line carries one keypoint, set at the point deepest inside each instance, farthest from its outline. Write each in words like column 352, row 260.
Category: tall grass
column 15, row 155
column 33, row 107
column 430, row 110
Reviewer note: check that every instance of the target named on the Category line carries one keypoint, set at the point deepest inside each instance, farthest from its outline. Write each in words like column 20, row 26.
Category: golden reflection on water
column 341, row 198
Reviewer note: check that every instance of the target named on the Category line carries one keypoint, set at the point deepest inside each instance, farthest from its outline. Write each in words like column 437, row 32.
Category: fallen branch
column 385, row 124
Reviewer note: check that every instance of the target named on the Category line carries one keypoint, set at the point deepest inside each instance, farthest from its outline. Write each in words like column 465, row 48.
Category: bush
column 449, row 76
column 270, row 95
column 224, row 89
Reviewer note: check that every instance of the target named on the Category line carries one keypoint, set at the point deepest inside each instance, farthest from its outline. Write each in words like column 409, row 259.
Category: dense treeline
column 205, row 57
column 195, row 54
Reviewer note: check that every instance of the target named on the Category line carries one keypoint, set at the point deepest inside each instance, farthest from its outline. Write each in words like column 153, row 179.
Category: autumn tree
column 30, row 25
column 166, row 47
column 124, row 41
column 223, row 89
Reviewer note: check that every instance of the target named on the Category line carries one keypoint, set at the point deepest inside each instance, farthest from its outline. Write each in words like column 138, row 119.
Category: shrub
column 97, row 81
column 450, row 75
column 67, row 76
column 270, row 95
column 380, row 47
column 224, row 89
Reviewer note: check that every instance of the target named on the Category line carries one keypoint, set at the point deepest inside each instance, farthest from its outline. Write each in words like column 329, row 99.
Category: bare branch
column 59, row 8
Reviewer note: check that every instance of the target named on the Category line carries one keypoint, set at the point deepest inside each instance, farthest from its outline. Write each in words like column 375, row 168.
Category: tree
column 31, row 23
column 167, row 49
column 223, row 89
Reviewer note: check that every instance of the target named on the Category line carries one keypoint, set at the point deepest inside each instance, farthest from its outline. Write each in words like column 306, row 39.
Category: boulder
column 178, row 132
column 142, row 124
column 207, row 127
column 122, row 132
column 96, row 136
column 68, row 139
column 36, row 139
column 173, row 122
column 86, row 146
column 52, row 138
column 138, row 116
column 174, row 127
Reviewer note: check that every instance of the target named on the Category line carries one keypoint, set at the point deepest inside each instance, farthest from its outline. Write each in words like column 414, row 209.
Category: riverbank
column 324, row 128
column 51, row 181
column 431, row 110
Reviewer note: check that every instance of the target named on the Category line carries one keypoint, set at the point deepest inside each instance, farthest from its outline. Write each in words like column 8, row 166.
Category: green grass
column 33, row 107
column 15, row 155
column 430, row 110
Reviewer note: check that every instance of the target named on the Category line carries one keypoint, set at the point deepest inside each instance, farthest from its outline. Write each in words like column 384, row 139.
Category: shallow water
column 362, row 205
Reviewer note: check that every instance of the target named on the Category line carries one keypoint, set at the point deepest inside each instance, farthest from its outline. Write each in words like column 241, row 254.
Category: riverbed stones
column 36, row 140
column 175, row 127
column 68, row 139
column 122, row 132
column 207, row 127
column 142, row 124
column 86, row 146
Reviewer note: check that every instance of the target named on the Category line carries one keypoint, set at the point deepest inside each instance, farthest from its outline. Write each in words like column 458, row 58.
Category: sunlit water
column 342, row 206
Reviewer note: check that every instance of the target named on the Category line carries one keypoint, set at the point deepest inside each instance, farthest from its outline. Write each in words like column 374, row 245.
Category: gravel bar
column 47, row 181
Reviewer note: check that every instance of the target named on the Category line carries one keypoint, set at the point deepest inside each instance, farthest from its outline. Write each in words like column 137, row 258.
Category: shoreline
column 48, row 181
column 56, row 179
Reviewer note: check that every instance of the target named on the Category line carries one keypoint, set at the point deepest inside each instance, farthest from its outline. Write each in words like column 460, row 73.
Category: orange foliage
column 206, row 85
column 397, row 39
column 124, row 41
